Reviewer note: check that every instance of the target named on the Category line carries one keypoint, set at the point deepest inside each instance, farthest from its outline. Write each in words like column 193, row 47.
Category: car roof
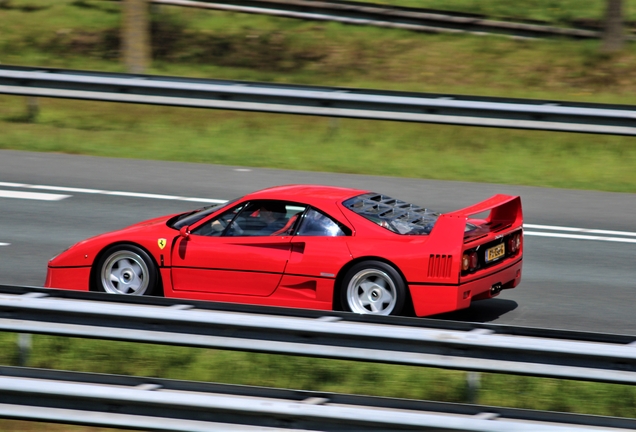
column 306, row 193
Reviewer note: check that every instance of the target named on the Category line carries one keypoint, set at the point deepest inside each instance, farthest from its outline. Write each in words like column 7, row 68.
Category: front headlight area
column 76, row 255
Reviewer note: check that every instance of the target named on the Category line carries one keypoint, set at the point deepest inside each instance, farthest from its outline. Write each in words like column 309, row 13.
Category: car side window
column 255, row 219
column 315, row 223
column 217, row 226
column 265, row 218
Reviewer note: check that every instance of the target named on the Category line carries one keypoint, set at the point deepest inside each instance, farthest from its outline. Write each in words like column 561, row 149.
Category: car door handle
column 298, row 247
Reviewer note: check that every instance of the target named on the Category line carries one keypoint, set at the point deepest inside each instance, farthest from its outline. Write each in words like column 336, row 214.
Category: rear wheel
column 127, row 270
column 374, row 288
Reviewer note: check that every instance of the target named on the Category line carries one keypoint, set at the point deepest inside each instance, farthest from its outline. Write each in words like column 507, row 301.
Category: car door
column 221, row 256
column 319, row 248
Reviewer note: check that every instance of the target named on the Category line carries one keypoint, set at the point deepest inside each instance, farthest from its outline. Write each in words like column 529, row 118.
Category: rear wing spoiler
column 504, row 210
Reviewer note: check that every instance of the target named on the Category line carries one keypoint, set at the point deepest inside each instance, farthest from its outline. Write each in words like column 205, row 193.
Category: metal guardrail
column 320, row 101
column 404, row 18
column 485, row 348
column 170, row 405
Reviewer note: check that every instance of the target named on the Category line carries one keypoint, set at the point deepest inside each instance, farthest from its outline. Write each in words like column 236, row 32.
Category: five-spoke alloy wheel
column 373, row 287
column 127, row 270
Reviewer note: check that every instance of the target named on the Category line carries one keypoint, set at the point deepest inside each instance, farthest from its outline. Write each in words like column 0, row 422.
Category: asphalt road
column 583, row 282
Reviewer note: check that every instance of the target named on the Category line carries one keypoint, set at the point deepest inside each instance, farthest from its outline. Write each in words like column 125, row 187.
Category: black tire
column 374, row 288
column 126, row 270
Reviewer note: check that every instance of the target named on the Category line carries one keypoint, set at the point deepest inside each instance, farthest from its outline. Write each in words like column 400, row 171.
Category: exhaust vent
column 439, row 266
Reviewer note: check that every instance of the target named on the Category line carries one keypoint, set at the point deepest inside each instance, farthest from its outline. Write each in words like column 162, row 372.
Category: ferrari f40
column 307, row 246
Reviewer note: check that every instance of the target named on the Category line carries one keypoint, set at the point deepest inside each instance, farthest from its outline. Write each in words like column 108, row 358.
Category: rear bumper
column 71, row 278
column 436, row 299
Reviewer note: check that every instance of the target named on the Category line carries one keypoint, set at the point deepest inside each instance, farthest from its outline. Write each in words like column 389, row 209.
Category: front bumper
column 70, row 278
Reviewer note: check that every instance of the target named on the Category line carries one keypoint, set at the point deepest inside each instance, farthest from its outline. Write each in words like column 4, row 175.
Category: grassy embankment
column 209, row 44
column 83, row 35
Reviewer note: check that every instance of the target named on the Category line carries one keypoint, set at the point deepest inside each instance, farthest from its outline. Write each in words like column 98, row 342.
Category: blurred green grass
column 321, row 144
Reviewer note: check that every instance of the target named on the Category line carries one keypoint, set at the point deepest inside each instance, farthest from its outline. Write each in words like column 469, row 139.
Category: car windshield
column 393, row 214
column 190, row 218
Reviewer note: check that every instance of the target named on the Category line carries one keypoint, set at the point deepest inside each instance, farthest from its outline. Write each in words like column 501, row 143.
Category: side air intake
column 439, row 266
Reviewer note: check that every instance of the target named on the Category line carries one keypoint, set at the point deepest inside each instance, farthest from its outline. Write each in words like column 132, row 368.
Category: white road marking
column 32, row 195
column 580, row 233
column 112, row 193
column 579, row 237
column 579, row 230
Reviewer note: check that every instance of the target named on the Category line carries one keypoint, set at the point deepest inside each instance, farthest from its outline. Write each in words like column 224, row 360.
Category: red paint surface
column 302, row 272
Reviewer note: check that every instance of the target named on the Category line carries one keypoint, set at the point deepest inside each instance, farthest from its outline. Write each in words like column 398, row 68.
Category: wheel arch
column 343, row 271
column 92, row 278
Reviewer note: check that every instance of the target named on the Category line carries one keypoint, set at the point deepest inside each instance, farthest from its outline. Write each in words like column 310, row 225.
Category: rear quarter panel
column 412, row 254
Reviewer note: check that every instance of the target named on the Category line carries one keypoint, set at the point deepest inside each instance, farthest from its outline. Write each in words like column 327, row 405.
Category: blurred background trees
column 137, row 53
column 135, row 29
column 613, row 34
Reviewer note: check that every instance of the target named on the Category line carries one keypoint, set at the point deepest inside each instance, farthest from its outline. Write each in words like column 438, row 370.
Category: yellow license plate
column 495, row 252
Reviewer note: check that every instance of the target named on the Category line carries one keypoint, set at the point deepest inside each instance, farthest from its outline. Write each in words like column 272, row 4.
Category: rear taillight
column 514, row 243
column 469, row 261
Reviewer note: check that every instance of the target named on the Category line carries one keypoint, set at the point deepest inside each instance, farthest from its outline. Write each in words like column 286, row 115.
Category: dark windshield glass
column 393, row 214
column 187, row 219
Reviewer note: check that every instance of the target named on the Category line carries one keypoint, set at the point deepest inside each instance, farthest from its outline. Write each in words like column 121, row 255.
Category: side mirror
column 184, row 232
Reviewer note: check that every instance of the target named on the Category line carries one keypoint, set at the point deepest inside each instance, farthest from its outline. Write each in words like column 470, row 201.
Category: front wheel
column 374, row 288
column 127, row 270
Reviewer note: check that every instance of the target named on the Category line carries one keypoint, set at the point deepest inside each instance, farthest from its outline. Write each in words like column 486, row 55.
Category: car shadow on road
column 481, row 311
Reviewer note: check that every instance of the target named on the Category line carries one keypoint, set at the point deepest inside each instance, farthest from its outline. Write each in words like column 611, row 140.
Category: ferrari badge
column 162, row 243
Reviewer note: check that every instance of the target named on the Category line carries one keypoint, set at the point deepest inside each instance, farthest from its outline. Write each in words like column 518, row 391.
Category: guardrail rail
column 320, row 101
column 159, row 404
column 170, row 405
column 406, row 341
column 405, row 18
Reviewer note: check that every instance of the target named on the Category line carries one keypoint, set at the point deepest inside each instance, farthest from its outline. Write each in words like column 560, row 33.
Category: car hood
column 161, row 220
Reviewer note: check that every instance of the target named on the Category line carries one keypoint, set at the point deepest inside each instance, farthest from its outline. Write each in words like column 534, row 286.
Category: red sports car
column 304, row 246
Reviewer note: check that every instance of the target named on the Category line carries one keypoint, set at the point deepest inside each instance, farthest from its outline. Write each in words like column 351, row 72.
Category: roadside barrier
column 320, row 101
column 152, row 403
column 170, row 405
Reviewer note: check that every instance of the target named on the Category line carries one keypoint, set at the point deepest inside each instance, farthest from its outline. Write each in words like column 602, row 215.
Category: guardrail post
column 33, row 108
column 24, row 348
column 474, row 381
